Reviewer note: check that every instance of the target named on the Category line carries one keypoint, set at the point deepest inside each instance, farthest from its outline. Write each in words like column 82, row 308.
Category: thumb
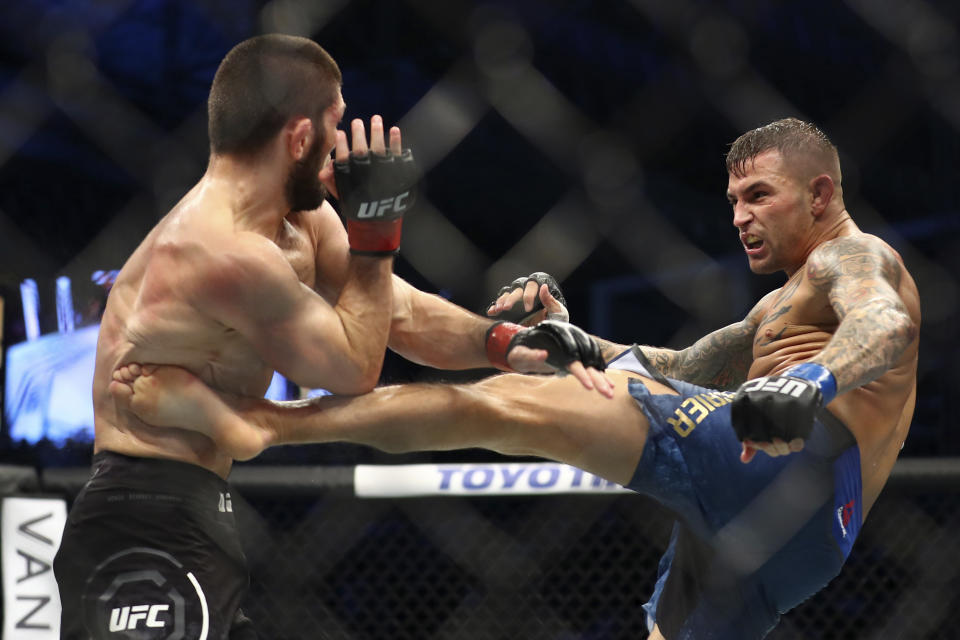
column 327, row 179
column 555, row 310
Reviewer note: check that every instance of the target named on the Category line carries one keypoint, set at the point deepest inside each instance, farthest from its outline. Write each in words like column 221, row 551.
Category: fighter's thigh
column 148, row 591
column 127, row 574
column 556, row 418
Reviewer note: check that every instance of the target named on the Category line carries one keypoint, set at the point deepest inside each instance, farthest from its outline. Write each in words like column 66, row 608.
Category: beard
column 304, row 190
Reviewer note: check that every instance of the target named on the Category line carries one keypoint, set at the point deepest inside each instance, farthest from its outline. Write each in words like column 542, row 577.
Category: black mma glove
column 564, row 343
column 375, row 191
column 517, row 313
column 782, row 406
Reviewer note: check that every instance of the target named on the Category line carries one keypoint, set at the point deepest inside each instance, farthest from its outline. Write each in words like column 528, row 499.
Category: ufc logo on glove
column 787, row 386
column 377, row 209
column 375, row 192
column 779, row 406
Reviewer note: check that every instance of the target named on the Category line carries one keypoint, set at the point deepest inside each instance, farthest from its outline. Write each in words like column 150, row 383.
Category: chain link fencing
column 577, row 137
column 561, row 567
column 327, row 564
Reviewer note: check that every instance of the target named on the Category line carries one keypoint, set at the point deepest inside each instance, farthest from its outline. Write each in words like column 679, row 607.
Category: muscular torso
column 797, row 322
column 150, row 318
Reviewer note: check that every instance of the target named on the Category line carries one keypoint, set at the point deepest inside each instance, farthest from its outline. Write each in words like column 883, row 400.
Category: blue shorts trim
column 847, row 502
column 767, row 534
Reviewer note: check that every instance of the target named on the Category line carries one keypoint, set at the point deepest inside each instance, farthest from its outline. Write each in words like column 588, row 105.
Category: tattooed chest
column 798, row 314
column 772, row 328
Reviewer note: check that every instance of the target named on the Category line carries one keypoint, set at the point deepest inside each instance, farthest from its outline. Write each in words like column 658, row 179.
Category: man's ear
column 821, row 188
column 300, row 133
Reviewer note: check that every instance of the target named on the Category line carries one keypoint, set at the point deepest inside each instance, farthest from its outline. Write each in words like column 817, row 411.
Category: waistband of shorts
column 153, row 474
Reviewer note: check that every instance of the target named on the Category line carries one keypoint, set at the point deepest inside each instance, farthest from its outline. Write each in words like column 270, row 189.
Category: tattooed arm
column 719, row 360
column 861, row 277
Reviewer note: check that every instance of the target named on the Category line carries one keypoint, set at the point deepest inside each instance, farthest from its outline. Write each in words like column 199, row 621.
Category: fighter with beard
column 251, row 272
column 821, row 376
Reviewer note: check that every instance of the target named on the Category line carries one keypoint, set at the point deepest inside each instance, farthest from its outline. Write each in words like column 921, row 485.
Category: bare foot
column 168, row 396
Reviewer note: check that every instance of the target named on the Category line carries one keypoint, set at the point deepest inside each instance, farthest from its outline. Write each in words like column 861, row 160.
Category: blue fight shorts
column 753, row 540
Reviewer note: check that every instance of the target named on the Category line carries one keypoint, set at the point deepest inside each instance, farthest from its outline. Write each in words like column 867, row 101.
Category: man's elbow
column 363, row 384
column 892, row 321
column 346, row 377
column 911, row 328
column 903, row 328
column 359, row 377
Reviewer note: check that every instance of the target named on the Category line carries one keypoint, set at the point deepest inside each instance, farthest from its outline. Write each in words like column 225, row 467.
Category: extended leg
column 550, row 417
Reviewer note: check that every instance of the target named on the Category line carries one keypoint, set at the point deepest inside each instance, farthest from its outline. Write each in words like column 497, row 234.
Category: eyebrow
column 753, row 185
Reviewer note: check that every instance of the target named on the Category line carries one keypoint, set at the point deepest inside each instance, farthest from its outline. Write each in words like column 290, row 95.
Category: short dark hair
column 788, row 136
column 262, row 83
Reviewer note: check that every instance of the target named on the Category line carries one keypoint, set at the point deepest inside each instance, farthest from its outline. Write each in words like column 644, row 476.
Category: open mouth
column 752, row 242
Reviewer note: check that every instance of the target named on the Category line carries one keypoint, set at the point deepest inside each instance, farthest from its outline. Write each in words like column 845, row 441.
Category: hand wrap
column 782, row 406
column 517, row 313
column 375, row 192
column 564, row 343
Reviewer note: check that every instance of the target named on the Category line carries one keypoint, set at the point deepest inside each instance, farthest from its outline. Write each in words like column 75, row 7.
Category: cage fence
column 560, row 567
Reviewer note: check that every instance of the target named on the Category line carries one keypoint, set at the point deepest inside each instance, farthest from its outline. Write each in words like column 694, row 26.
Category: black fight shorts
column 151, row 551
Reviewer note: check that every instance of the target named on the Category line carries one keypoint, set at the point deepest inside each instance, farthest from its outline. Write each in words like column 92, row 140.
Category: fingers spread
column 342, row 153
column 358, row 137
column 578, row 371
column 530, row 294
column 601, row 382
column 395, row 142
column 507, row 300
column 377, row 144
column 555, row 309
column 527, row 360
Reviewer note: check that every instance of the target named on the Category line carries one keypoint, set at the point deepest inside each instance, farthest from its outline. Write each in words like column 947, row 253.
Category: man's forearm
column 720, row 360
column 666, row 361
column 610, row 349
column 432, row 331
column 342, row 350
column 870, row 340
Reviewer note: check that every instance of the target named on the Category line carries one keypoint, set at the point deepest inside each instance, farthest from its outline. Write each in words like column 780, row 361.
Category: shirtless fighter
column 251, row 272
column 820, row 375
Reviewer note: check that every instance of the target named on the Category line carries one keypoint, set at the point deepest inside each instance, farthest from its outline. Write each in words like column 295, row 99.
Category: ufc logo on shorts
column 127, row 618
column 786, row 386
column 376, row 209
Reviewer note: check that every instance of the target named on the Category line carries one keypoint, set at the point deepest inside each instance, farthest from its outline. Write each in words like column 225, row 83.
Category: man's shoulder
column 202, row 248
column 324, row 213
column 829, row 254
column 210, row 264
column 319, row 223
column 851, row 243
column 857, row 260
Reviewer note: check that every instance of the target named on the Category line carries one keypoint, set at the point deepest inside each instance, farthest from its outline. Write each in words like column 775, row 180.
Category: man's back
column 157, row 312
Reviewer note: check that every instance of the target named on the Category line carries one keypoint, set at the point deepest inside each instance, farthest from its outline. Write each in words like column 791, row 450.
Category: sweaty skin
column 169, row 303
column 231, row 285
column 848, row 303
